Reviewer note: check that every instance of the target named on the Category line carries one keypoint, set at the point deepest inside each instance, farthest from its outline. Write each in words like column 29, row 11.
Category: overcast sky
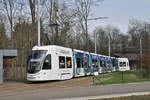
column 120, row 12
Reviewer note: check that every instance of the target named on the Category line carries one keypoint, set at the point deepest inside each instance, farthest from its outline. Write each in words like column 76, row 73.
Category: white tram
column 60, row 63
column 50, row 63
column 123, row 64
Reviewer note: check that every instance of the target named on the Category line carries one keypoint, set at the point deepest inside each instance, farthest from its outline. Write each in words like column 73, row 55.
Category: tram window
column 101, row 64
column 47, row 62
column 93, row 63
column 113, row 64
column 85, row 64
column 127, row 64
column 104, row 64
column 109, row 64
column 61, row 62
column 78, row 63
column 124, row 63
column 68, row 59
column 96, row 63
column 82, row 63
column 121, row 64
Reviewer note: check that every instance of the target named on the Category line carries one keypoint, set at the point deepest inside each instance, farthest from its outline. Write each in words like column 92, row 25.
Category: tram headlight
column 31, row 77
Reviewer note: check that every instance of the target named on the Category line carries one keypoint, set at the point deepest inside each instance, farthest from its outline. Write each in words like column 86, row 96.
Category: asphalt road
column 76, row 92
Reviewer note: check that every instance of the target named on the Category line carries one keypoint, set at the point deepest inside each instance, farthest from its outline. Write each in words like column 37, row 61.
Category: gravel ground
column 24, row 85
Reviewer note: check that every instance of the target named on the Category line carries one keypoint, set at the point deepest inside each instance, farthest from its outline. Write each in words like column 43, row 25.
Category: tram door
column 86, row 65
column 94, row 60
column 114, row 64
column 109, row 65
column 103, row 64
column 99, row 63
column 79, row 68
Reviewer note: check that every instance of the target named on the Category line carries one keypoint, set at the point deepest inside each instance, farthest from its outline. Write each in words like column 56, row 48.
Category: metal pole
column 141, row 53
column 109, row 45
column 122, row 76
column 1, row 67
column 38, row 9
column 95, row 43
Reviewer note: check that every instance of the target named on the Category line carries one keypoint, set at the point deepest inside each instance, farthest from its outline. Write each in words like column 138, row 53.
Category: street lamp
column 141, row 52
column 38, row 9
column 95, row 32
column 95, row 42
column 109, row 45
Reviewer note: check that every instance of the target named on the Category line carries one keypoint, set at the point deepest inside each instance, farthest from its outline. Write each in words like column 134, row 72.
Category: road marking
column 104, row 96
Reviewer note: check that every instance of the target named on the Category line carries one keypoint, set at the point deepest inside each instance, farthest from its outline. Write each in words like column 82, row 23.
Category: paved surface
column 45, row 91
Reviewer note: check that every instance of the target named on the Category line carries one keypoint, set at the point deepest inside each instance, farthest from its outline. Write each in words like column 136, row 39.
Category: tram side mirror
column 28, row 59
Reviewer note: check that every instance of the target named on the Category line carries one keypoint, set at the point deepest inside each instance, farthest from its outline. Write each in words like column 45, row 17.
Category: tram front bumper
column 31, row 77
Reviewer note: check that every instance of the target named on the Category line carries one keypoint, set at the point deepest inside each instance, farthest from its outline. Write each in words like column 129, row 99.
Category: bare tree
column 59, row 18
column 103, row 34
column 114, row 34
column 102, row 40
column 10, row 9
column 139, row 29
column 51, row 17
column 3, row 36
column 32, row 4
column 83, row 11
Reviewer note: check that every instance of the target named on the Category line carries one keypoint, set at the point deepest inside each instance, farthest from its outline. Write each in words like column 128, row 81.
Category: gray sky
column 120, row 12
